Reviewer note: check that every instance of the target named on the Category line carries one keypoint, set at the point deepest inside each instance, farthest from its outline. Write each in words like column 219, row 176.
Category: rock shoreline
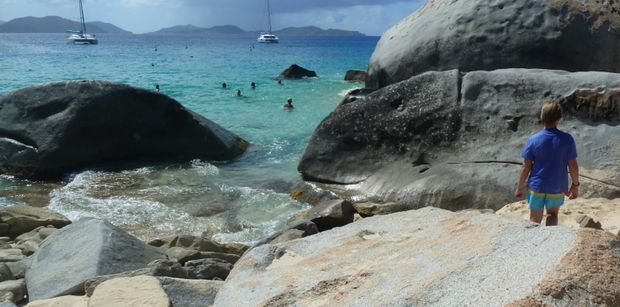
column 99, row 263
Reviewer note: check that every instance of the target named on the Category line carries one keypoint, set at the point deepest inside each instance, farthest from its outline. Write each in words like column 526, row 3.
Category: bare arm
column 525, row 172
column 573, row 169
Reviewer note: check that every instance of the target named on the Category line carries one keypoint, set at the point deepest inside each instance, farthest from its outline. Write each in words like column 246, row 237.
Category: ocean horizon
column 243, row 200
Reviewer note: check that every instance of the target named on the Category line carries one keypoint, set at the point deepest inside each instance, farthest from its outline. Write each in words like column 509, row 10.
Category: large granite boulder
column 48, row 130
column 85, row 249
column 486, row 35
column 452, row 141
column 431, row 257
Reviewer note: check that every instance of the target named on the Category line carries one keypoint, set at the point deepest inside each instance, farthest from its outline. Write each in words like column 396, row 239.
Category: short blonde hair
column 551, row 112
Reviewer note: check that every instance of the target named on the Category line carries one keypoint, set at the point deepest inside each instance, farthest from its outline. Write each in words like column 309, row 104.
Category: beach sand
column 605, row 211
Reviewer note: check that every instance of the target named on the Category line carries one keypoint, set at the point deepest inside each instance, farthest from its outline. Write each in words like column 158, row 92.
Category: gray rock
column 297, row 72
column 426, row 257
column 29, row 242
column 329, row 214
column 85, row 249
column 18, row 268
column 5, row 273
column 11, row 255
column 230, row 258
column 21, row 219
column 366, row 209
column 289, row 235
column 303, row 228
column 190, row 293
column 199, row 244
column 51, row 129
column 356, row 75
column 182, row 255
column 91, row 284
column 208, row 269
column 165, row 267
column 487, row 35
column 310, row 193
column 13, row 290
column 439, row 139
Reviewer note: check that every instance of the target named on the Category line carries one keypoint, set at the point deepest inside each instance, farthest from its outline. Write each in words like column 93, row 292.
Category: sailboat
column 81, row 37
column 268, row 37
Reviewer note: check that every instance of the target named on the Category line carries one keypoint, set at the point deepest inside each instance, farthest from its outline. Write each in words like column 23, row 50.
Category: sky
column 371, row 17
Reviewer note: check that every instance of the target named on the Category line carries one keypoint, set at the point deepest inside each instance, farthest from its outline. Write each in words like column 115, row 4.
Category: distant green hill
column 191, row 29
column 234, row 30
column 315, row 31
column 54, row 24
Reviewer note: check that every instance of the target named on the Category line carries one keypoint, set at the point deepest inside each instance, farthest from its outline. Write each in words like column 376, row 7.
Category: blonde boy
column 547, row 155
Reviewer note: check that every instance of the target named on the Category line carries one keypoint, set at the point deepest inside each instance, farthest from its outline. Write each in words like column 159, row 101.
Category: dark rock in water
column 51, row 129
column 487, row 35
column 356, row 75
column 297, row 72
column 329, row 214
column 208, row 269
column 85, row 249
column 451, row 141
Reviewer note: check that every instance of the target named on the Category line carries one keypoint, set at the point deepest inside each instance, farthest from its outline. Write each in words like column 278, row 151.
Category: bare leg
column 536, row 215
column 552, row 216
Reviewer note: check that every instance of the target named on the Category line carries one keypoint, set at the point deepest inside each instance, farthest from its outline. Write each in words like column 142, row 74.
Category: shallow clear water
column 242, row 200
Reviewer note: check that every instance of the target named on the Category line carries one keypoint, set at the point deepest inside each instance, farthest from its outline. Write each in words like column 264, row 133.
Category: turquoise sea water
column 242, row 200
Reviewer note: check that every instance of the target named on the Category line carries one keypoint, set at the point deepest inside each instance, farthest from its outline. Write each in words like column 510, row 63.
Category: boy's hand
column 573, row 192
column 520, row 192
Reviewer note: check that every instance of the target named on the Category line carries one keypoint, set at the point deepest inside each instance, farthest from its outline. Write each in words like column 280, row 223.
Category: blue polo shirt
column 550, row 150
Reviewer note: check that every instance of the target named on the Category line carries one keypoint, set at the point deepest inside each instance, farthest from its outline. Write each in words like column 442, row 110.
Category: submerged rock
column 486, row 35
column 355, row 75
column 451, row 141
column 430, row 257
column 85, row 249
column 297, row 72
column 51, row 129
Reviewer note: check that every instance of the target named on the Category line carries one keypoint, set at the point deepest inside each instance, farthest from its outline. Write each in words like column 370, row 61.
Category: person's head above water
column 224, row 85
column 238, row 92
column 157, row 87
column 253, row 85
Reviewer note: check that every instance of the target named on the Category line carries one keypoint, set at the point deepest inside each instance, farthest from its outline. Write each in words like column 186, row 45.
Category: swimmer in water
column 157, row 87
column 253, row 85
column 288, row 104
column 239, row 93
column 280, row 81
column 224, row 85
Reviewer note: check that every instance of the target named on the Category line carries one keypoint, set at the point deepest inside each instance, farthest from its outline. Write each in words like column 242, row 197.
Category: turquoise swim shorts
column 538, row 201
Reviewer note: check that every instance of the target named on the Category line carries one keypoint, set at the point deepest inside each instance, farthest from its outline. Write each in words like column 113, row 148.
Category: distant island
column 234, row 30
column 55, row 24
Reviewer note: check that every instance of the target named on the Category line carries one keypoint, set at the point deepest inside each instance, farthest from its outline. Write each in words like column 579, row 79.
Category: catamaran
column 81, row 37
column 268, row 37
